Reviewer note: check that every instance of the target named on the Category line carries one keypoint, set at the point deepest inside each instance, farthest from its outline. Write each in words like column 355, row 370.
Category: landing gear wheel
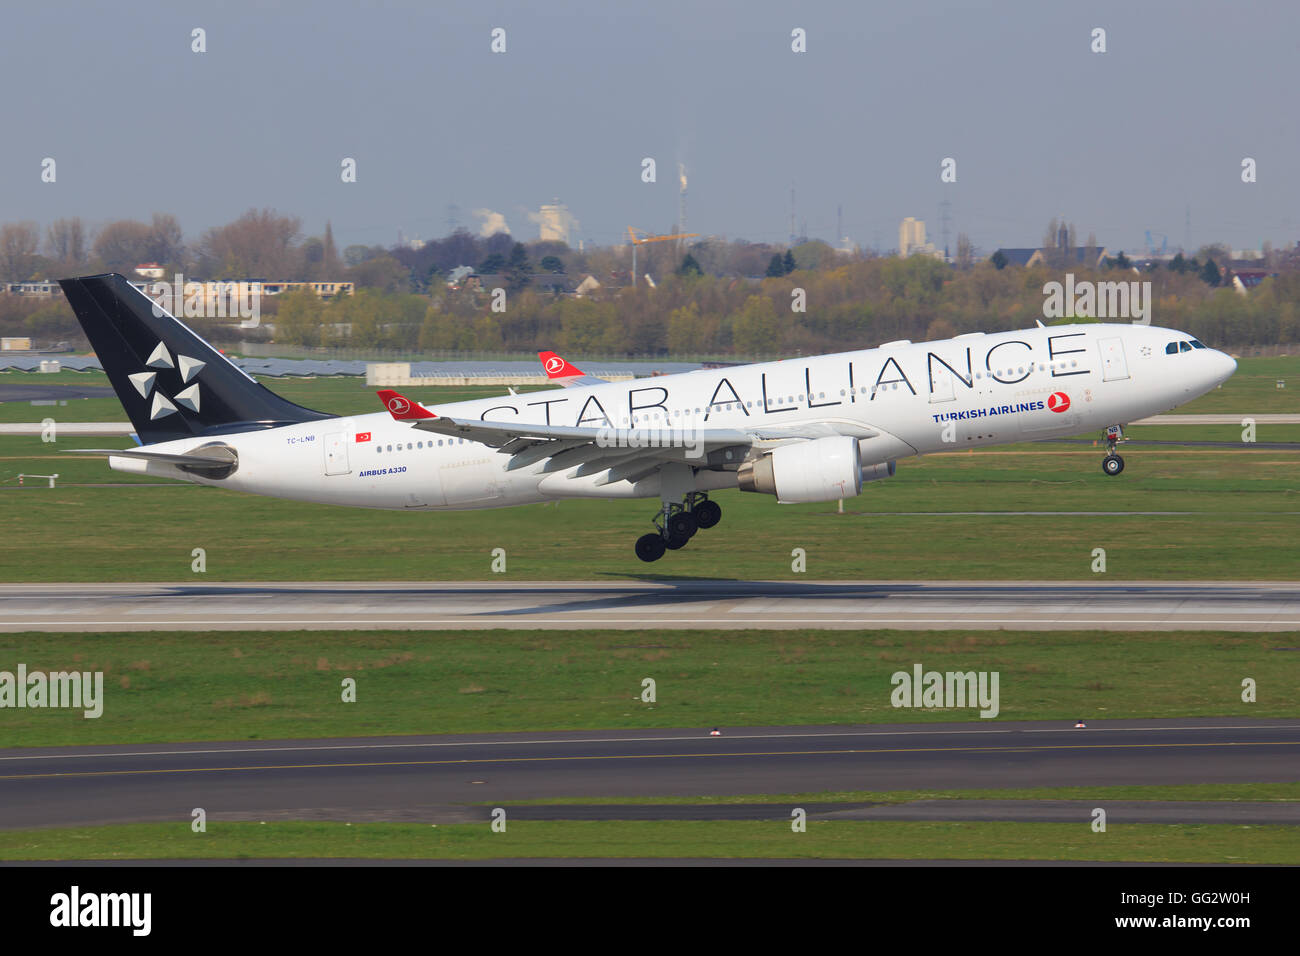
column 675, row 541
column 650, row 547
column 682, row 524
column 707, row 514
column 1112, row 465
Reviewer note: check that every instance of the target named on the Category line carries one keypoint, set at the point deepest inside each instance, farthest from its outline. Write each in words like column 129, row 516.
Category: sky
column 1038, row 124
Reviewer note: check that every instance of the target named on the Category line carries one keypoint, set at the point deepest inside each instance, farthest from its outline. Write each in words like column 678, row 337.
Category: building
column 911, row 236
column 554, row 222
column 1080, row 257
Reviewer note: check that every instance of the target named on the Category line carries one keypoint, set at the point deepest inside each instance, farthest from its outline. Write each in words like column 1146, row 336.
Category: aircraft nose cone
column 1229, row 365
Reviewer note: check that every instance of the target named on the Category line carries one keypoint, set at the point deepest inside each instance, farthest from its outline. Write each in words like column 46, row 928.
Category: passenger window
column 1184, row 347
column 1171, row 348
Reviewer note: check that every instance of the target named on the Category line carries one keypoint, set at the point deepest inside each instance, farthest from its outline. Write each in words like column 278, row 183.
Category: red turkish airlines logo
column 398, row 405
column 554, row 364
column 363, row 436
column 1058, row 402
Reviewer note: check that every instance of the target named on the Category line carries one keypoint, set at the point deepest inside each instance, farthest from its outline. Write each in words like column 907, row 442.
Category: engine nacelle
column 885, row 469
column 824, row 469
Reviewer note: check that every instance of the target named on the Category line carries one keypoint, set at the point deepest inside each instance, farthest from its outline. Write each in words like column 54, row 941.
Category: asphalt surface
column 439, row 779
column 472, row 605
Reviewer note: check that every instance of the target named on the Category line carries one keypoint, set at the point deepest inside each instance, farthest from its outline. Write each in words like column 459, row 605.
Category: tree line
column 713, row 298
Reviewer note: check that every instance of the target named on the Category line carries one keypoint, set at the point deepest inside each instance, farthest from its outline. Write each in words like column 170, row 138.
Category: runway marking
column 558, row 759
column 1155, row 617
column 632, row 740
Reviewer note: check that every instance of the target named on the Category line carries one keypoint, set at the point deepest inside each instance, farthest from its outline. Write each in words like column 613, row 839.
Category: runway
column 458, row 779
column 659, row 604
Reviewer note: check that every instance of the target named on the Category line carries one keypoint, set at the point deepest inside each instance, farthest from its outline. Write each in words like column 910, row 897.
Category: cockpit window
column 1197, row 345
column 1171, row 348
column 1184, row 347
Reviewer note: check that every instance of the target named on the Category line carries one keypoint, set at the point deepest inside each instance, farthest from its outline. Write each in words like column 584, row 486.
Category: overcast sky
column 1039, row 125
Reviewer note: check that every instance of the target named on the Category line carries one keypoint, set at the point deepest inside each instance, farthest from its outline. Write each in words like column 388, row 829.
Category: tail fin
column 171, row 383
column 401, row 407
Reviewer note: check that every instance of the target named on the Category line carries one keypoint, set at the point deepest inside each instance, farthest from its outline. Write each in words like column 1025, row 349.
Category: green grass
column 1215, row 843
column 341, row 395
column 261, row 685
column 1243, row 526
column 1220, row 792
column 1251, row 391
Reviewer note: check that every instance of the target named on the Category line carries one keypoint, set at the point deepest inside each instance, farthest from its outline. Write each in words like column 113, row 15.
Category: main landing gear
column 1113, row 464
column 677, row 524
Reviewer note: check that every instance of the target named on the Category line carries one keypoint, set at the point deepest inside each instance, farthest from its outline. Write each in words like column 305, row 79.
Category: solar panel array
column 305, row 368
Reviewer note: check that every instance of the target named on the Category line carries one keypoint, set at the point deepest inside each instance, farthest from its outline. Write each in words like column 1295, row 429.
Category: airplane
column 801, row 430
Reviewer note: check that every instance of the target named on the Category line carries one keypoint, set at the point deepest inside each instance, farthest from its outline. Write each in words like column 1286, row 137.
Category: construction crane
column 650, row 237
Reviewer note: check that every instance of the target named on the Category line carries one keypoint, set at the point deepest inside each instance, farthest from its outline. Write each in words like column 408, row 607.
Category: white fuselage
column 971, row 391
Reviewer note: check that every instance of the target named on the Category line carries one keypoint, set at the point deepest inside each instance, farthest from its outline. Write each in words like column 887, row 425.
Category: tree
column 999, row 260
column 689, row 267
column 755, row 329
column 18, row 242
column 775, row 268
column 788, row 262
column 259, row 244
column 518, row 268
column 965, row 251
column 298, row 319
column 330, row 264
column 1210, row 274
column 552, row 264
column 383, row 273
column 65, row 243
column 1120, row 261
column 492, row 265
column 123, row 245
column 1178, row 264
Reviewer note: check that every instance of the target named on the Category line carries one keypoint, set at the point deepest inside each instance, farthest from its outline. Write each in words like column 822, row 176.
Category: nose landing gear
column 1113, row 464
column 677, row 524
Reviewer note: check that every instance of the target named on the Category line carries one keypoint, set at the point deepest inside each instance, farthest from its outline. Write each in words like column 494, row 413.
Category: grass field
column 264, row 685
column 1244, row 513
column 1251, row 391
column 1217, row 843
column 1245, row 502
column 1217, row 792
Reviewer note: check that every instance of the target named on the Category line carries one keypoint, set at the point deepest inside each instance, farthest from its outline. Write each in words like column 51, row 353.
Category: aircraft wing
column 627, row 454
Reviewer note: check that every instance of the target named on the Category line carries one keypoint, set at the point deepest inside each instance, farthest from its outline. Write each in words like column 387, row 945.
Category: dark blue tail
column 171, row 382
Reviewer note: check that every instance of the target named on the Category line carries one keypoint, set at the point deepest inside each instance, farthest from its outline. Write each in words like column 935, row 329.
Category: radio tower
column 681, row 198
column 793, row 237
column 945, row 217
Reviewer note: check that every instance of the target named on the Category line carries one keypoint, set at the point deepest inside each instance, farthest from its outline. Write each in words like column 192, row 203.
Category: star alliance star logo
column 162, row 405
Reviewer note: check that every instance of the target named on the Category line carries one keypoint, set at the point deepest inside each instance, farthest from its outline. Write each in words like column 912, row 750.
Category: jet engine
column 823, row 469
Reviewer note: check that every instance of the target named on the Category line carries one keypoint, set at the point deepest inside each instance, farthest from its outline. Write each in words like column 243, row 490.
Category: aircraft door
column 336, row 454
column 1114, row 367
